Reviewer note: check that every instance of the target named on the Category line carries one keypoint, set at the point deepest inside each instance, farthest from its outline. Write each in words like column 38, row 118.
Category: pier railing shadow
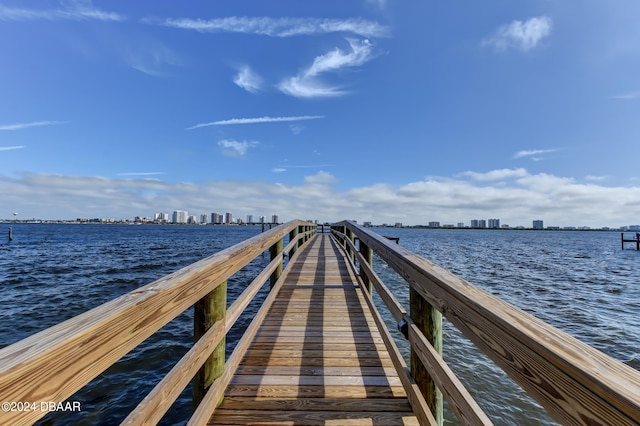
column 575, row 383
column 52, row 365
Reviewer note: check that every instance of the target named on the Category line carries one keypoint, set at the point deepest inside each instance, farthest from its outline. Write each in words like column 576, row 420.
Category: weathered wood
column 207, row 311
column 318, row 340
column 53, row 364
column 366, row 257
column 216, row 391
column 575, row 383
column 429, row 321
column 275, row 251
column 467, row 410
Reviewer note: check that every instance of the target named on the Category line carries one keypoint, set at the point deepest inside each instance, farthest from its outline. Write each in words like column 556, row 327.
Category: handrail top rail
column 480, row 315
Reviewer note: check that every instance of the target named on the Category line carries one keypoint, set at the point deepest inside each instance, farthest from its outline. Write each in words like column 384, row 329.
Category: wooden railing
column 576, row 384
column 54, row 364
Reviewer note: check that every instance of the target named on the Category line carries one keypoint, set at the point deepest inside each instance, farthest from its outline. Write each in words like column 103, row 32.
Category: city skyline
column 371, row 109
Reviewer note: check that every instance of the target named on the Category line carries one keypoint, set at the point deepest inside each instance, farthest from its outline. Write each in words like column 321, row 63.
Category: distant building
column 274, row 219
column 216, row 218
column 367, row 224
column 249, row 218
column 228, row 218
column 180, row 216
column 474, row 223
column 460, row 225
column 192, row 219
column 494, row 223
column 538, row 224
column 482, row 223
column 203, row 218
column 434, row 224
column 398, row 225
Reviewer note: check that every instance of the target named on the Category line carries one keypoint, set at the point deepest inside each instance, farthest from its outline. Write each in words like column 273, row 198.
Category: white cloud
column 265, row 119
column 520, row 35
column 20, row 126
column 74, row 11
column 596, row 178
column 557, row 200
column 307, row 84
column 500, row 174
column 280, row 27
column 248, row 80
column 235, row 148
column 321, row 178
column 10, row 148
column 278, row 169
column 532, row 153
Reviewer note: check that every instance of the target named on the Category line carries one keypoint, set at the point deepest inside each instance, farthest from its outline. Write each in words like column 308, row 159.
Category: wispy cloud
column 235, row 148
column 279, row 27
column 74, row 11
column 248, row 80
column 10, row 148
column 141, row 173
column 307, row 84
column 627, row 96
column 494, row 175
column 20, row 126
column 520, row 35
column 151, row 58
column 265, row 119
column 533, row 153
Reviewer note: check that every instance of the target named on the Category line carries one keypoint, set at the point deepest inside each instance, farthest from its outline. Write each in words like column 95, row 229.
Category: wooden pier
column 635, row 240
column 317, row 352
column 318, row 356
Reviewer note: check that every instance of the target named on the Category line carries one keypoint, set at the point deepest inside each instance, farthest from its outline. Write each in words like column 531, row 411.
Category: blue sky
column 385, row 111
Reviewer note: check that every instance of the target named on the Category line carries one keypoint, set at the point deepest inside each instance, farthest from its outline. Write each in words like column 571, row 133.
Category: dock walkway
column 318, row 357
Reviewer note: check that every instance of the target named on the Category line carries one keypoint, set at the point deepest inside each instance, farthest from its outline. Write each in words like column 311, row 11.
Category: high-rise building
column 434, row 224
column 274, row 218
column 203, row 218
column 474, row 223
column 228, row 218
column 494, row 223
column 215, row 218
column 482, row 223
column 180, row 216
column 538, row 224
column 249, row 218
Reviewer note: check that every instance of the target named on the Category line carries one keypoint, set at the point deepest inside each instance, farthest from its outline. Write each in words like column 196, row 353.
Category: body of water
column 580, row 282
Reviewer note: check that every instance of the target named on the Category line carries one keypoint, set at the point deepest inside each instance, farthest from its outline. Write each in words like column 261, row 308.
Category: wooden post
column 637, row 241
column 207, row 311
column 429, row 321
column 292, row 236
column 10, row 234
column 622, row 239
column 367, row 253
column 275, row 251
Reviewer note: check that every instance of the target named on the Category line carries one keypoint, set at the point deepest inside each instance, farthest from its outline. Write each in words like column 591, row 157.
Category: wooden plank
column 312, row 418
column 318, row 357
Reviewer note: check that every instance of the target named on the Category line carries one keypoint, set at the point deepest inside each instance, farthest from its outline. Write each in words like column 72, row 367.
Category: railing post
column 300, row 230
column 429, row 321
column 367, row 253
column 207, row 311
column 275, row 251
column 292, row 236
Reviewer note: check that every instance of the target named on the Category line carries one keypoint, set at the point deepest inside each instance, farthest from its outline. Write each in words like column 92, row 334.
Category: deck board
column 318, row 358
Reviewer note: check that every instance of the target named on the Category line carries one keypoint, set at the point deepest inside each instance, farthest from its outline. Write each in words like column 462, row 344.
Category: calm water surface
column 580, row 282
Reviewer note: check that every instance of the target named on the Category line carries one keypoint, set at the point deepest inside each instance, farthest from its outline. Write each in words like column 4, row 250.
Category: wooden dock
column 318, row 357
column 317, row 351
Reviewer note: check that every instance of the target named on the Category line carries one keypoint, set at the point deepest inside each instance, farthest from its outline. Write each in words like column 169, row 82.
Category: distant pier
column 635, row 240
